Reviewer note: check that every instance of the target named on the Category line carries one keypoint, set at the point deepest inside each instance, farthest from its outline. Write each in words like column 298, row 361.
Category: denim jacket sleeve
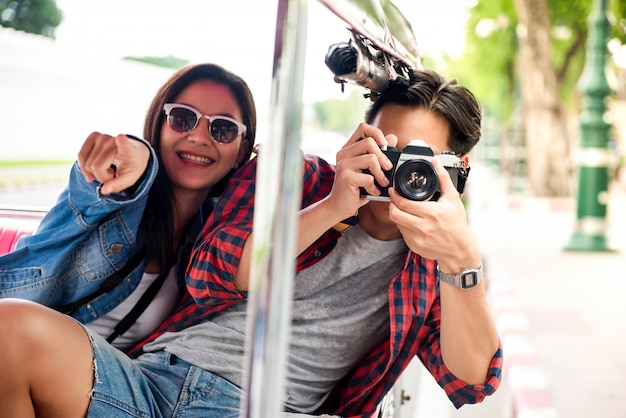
column 81, row 207
column 81, row 240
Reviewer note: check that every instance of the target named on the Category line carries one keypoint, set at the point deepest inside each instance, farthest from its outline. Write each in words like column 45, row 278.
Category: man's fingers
column 445, row 182
column 367, row 131
column 369, row 168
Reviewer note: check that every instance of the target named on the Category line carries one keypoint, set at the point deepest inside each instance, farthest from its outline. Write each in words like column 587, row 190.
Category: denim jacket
column 80, row 242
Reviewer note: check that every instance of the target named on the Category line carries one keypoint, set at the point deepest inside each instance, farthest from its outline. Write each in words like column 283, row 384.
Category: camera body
column 414, row 176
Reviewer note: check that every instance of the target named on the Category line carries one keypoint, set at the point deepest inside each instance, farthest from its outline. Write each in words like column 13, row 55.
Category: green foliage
column 619, row 20
column 167, row 62
column 40, row 17
column 33, row 163
column 489, row 63
column 341, row 115
column 487, row 66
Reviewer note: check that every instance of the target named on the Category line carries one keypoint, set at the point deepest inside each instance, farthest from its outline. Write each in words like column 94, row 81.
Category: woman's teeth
column 196, row 159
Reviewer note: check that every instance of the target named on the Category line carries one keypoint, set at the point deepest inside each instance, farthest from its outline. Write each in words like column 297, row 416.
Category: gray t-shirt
column 340, row 312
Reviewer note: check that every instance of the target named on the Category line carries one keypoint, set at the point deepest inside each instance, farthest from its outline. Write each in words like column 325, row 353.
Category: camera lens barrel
column 341, row 58
column 416, row 180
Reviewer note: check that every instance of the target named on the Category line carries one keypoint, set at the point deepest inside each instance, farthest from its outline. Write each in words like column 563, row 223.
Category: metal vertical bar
column 277, row 200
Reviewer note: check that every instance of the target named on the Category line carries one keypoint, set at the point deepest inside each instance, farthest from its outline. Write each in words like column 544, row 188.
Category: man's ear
column 465, row 159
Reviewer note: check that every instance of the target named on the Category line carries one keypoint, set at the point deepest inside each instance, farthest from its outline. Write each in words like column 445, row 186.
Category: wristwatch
column 466, row 279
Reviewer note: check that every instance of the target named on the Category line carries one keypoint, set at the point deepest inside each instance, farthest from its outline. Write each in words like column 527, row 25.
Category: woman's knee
column 22, row 320
column 27, row 327
column 48, row 353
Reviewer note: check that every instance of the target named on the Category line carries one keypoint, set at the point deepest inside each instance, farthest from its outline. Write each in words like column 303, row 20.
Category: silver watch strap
column 466, row 279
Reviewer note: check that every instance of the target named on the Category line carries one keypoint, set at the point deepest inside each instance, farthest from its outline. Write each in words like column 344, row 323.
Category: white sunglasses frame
column 241, row 128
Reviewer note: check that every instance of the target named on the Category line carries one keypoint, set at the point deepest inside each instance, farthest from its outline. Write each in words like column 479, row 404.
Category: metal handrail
column 275, row 222
column 279, row 189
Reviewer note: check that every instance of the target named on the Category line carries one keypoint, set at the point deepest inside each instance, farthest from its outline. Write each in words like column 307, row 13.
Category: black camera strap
column 141, row 305
column 114, row 280
column 109, row 284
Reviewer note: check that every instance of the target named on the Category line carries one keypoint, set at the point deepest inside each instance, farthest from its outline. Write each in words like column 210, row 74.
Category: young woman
column 124, row 226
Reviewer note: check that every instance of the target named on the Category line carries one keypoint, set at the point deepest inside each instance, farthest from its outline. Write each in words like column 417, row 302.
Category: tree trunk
column 548, row 167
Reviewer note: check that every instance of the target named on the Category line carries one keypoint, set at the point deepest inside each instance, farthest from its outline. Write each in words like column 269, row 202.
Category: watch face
column 469, row 279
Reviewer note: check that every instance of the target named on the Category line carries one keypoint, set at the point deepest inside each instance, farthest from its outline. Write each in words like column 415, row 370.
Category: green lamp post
column 594, row 157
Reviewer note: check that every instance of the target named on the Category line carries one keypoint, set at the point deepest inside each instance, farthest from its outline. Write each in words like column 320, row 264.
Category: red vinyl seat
column 9, row 236
column 16, row 224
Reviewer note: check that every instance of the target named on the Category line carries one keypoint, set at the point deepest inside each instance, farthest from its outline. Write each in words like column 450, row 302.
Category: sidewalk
column 561, row 315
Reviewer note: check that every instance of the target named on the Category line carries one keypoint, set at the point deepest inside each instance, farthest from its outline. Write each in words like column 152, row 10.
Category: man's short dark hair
column 428, row 90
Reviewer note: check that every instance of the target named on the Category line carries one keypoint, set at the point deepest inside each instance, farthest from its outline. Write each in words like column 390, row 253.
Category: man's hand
column 360, row 163
column 437, row 229
column 361, row 152
column 116, row 162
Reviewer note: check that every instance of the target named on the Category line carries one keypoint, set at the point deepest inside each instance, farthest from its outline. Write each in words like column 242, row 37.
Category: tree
column 40, row 17
column 542, row 112
column 524, row 59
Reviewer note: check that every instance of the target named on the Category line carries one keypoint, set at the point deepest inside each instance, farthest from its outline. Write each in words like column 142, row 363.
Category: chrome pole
column 277, row 200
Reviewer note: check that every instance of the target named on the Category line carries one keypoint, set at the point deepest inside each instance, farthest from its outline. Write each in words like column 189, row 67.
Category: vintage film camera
column 414, row 176
column 383, row 51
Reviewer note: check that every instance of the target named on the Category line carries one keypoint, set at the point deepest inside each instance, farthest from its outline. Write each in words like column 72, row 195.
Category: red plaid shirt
column 413, row 299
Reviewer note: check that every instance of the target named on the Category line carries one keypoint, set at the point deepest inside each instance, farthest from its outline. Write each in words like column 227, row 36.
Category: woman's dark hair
column 158, row 218
column 430, row 91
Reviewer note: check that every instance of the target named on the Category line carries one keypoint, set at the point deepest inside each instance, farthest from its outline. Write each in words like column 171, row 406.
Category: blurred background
column 547, row 193
column 69, row 67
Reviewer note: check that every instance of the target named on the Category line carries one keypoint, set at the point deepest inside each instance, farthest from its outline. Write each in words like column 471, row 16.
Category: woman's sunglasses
column 182, row 118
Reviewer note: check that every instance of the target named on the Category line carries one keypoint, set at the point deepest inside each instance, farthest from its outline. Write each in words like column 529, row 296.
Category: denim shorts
column 156, row 385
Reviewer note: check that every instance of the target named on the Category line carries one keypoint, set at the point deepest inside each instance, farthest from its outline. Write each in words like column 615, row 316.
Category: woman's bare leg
column 46, row 362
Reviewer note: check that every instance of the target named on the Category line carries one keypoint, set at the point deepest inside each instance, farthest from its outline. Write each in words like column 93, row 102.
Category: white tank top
column 161, row 306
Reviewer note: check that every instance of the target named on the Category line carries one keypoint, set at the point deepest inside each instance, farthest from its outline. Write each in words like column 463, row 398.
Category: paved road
column 571, row 363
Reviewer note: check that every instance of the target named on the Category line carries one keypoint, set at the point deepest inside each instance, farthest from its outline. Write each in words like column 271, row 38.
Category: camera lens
column 341, row 58
column 416, row 180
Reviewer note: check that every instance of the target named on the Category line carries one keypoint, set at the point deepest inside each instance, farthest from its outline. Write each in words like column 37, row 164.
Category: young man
column 367, row 300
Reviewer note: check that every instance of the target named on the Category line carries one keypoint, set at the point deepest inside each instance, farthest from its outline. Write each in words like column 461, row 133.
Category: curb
column 522, row 370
